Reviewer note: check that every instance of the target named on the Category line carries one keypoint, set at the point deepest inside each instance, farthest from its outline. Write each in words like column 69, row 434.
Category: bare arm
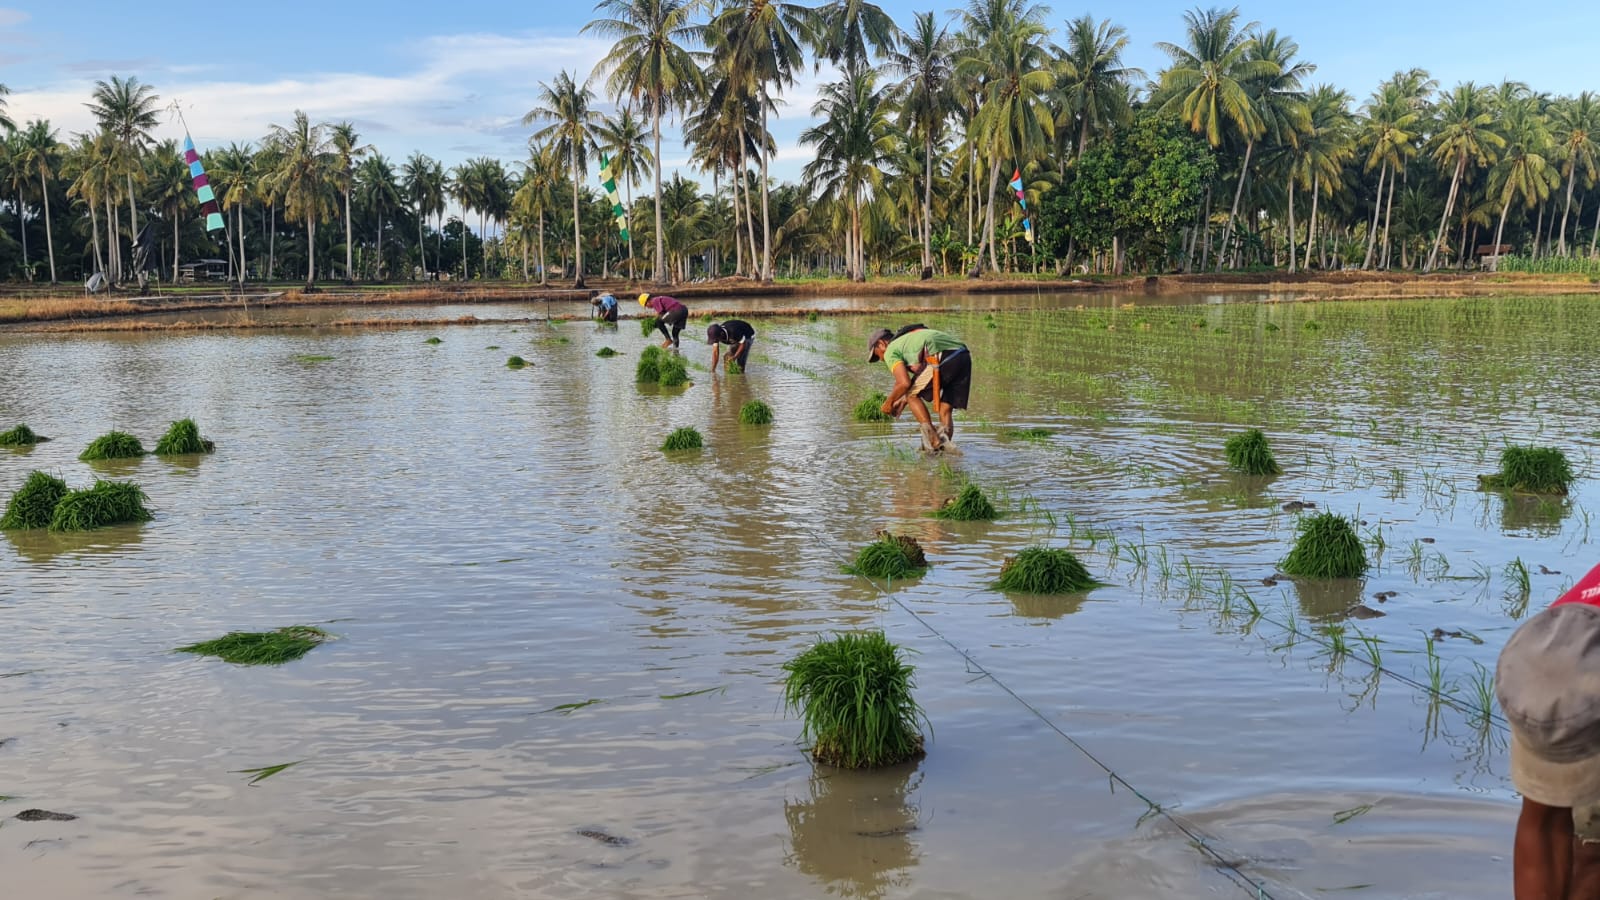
column 902, row 388
column 716, row 350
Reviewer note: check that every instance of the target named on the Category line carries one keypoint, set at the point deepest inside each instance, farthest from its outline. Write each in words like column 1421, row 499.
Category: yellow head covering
column 643, row 298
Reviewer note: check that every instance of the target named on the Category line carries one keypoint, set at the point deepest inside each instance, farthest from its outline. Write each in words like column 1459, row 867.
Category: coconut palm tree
column 1463, row 133
column 232, row 172
column 761, row 41
column 425, row 193
column 468, row 188
column 1092, row 83
column 1389, row 128
column 128, row 110
column 305, row 175
column 844, row 30
column 568, row 108
column 5, row 120
column 1323, row 150
column 92, row 179
column 924, row 68
column 853, row 139
column 650, row 64
column 379, row 195
column 168, row 178
column 39, row 154
column 347, row 148
column 622, row 138
column 1576, row 130
column 536, row 195
column 1523, row 171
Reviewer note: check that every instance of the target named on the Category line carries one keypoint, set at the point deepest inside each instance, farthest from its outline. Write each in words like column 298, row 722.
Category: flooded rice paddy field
column 557, row 671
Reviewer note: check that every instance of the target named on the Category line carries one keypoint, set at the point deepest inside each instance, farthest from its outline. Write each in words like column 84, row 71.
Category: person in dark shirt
column 737, row 334
column 670, row 316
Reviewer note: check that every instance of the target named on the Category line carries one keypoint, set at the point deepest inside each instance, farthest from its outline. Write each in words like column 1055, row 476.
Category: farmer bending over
column 930, row 366
column 605, row 307
column 670, row 314
column 737, row 334
column 1548, row 683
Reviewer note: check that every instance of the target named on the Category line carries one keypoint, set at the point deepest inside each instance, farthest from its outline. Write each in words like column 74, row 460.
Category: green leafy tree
column 38, row 153
column 1463, row 134
column 924, row 68
column 305, row 175
column 568, row 107
column 127, row 109
column 1576, row 131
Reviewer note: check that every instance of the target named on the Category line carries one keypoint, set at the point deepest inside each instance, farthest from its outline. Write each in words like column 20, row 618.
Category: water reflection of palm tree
column 853, row 832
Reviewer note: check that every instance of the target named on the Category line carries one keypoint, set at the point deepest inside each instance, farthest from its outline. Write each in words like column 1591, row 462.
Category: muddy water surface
column 495, row 549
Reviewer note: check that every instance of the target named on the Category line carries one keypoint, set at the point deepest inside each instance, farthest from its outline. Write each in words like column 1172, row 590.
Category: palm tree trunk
column 627, row 198
column 1571, row 178
column 1594, row 241
column 927, row 207
column 1372, row 228
column 22, row 227
column 577, row 231
column 1499, row 232
column 349, row 238
column 272, row 242
column 113, row 246
column 49, row 240
column 422, row 244
column 766, row 223
column 988, row 224
column 1388, row 214
column 174, row 248
column 483, row 233
column 1205, row 245
column 311, row 252
column 738, row 242
column 542, row 267
column 241, row 247
column 94, row 229
column 661, row 255
column 1238, row 193
column 1311, row 227
column 1449, row 207
column 1292, row 250
column 133, row 223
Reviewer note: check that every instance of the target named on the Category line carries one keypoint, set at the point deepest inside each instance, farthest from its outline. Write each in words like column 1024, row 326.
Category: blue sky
column 454, row 79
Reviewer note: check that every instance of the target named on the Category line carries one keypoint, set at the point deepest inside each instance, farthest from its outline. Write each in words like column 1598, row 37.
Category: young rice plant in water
column 853, row 695
column 647, row 325
column 183, row 438
column 261, row 648
column 674, row 373
column 107, row 503
column 605, row 353
column 685, row 438
column 871, row 409
column 34, row 504
column 1326, row 546
column 1538, row 470
column 113, row 445
column 1248, row 452
column 755, row 413
column 1045, row 570
column 20, row 436
column 890, row 556
column 516, row 362
column 968, row 506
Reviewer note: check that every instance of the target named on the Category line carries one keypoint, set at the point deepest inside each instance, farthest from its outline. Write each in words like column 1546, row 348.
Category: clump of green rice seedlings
column 812, row 316
column 968, row 506
column 1270, row 327
column 674, row 373
column 755, row 413
column 871, row 409
column 1249, row 453
column 1038, row 435
column 183, row 438
column 433, row 340
column 648, row 370
column 605, row 353
column 1326, row 546
column 647, row 325
column 890, row 556
column 1044, row 570
column 684, row 438
column 311, row 358
column 853, row 695
column 261, row 648
column 1536, row 470
column 107, row 503
column 1312, row 325
column 516, row 362
column 33, row 505
column 113, row 445
column 21, row 436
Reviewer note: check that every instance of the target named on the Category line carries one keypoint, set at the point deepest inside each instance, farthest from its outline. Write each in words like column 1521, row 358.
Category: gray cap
column 882, row 334
column 1548, row 684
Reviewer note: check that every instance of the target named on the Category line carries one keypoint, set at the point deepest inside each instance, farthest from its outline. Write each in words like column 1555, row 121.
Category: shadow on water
column 1326, row 600
column 852, row 832
column 41, row 546
column 1046, row 606
column 1533, row 514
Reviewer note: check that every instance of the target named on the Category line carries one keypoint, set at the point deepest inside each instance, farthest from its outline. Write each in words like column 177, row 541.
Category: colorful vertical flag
column 608, row 180
column 1027, row 221
column 202, row 186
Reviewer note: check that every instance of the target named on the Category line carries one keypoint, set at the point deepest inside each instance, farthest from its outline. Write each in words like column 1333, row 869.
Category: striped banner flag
column 608, row 180
column 1022, row 197
column 202, row 186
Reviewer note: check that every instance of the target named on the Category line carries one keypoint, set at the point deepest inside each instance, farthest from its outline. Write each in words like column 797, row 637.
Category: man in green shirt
column 929, row 367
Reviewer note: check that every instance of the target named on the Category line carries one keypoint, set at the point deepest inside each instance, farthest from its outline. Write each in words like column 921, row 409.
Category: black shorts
column 673, row 320
column 955, row 379
column 742, row 357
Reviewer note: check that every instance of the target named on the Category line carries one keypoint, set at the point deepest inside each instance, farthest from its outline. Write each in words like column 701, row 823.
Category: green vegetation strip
column 183, row 438
column 34, row 504
column 853, row 695
column 112, row 445
column 1326, row 546
column 261, row 648
column 107, row 503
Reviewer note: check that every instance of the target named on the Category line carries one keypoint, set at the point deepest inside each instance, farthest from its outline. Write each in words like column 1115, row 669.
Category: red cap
column 1587, row 590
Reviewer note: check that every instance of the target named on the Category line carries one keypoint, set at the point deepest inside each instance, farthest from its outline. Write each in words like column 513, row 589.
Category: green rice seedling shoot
column 894, row 557
column 516, row 362
column 1326, row 546
column 261, row 648
column 20, row 436
column 605, row 353
column 107, row 503
column 34, row 504
column 1045, row 570
column 112, row 445
column 1249, row 453
column 853, row 694
column 183, row 438
column 968, row 506
column 1536, row 470
column 871, row 409
column 684, row 438
column 755, row 413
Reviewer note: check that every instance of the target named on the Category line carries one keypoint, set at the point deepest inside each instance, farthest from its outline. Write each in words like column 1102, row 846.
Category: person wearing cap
column 670, row 314
column 737, row 334
column 605, row 306
column 1548, row 685
column 929, row 366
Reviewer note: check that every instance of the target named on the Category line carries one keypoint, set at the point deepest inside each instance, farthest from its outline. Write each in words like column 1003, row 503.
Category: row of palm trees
column 909, row 144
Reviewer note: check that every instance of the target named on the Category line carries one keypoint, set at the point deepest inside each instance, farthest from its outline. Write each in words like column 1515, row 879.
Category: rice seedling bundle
column 20, row 436
column 968, row 506
column 113, row 445
column 1044, row 570
column 647, row 325
column 605, row 353
column 648, row 369
column 1326, row 546
column 853, row 694
column 755, row 413
column 107, row 503
column 871, row 409
column 261, row 648
column 1027, row 434
column 183, row 437
column 1249, row 453
column 673, row 372
column 685, row 438
column 1537, row 470
column 890, row 556
column 516, row 362
column 33, row 505
column 433, row 340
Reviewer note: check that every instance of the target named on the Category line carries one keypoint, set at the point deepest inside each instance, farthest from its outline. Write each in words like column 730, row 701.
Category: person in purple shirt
column 670, row 316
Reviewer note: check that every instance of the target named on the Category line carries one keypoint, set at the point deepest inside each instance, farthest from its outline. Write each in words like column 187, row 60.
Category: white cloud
column 11, row 18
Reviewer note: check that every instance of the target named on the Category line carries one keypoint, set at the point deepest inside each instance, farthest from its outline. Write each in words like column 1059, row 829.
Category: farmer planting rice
column 737, row 334
column 670, row 316
column 605, row 307
column 929, row 367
